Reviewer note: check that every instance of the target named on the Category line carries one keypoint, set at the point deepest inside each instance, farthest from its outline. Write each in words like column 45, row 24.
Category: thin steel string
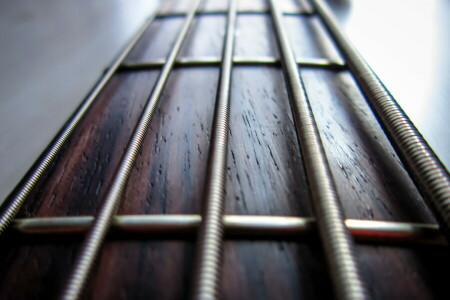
column 334, row 235
column 97, row 232
column 210, row 237
column 241, row 226
column 12, row 206
column 428, row 172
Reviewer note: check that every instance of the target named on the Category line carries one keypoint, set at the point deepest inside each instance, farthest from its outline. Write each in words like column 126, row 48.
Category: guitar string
column 102, row 222
column 334, row 235
column 12, row 205
column 424, row 167
column 210, row 235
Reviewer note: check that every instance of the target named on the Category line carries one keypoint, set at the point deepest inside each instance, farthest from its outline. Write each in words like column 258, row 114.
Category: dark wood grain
column 262, row 269
column 309, row 38
column 157, row 40
column 169, row 173
column 255, row 36
column 81, row 176
column 274, row 270
column 139, row 270
column 371, row 181
column 34, row 271
column 265, row 170
column 205, row 37
column 401, row 273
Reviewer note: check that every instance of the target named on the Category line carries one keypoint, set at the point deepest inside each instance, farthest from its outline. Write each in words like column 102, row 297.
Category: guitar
column 233, row 150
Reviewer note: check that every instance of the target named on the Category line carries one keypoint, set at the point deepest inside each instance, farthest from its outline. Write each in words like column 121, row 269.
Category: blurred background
column 53, row 51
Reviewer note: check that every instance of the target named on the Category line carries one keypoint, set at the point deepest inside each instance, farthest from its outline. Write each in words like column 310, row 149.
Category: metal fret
column 13, row 205
column 301, row 12
column 210, row 234
column 102, row 222
column 333, row 233
column 235, row 226
column 322, row 63
column 424, row 166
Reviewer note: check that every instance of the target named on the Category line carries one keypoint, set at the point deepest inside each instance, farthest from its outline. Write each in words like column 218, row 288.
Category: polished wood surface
column 265, row 177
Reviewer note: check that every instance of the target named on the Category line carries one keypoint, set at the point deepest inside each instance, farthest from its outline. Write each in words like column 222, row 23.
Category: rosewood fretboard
column 206, row 113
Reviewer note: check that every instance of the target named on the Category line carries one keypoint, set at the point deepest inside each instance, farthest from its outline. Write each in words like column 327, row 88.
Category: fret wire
column 301, row 12
column 210, row 234
column 425, row 168
column 12, row 205
column 322, row 63
column 99, row 228
column 334, row 235
column 236, row 226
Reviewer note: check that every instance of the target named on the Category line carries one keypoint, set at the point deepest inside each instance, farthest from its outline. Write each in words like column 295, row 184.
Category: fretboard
column 233, row 150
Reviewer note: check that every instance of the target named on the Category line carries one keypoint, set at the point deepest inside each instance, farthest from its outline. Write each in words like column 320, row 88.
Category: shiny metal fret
column 334, row 236
column 424, row 166
column 235, row 226
column 322, row 63
column 305, row 12
column 100, row 226
column 210, row 235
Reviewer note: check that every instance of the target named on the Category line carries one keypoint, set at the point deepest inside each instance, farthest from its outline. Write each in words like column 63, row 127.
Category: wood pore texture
column 265, row 175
